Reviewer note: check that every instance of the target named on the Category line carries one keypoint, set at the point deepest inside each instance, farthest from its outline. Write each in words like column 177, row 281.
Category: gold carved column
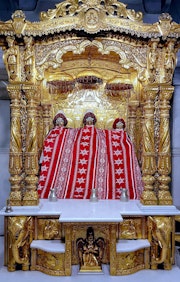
column 113, row 255
column 31, row 154
column 68, row 246
column 44, row 125
column 132, row 123
column 148, row 196
column 164, row 149
column 15, row 156
column 46, row 119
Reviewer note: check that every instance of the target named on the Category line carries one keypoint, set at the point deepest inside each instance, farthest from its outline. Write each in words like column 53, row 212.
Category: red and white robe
column 89, row 165
column 77, row 160
column 57, row 154
column 124, row 170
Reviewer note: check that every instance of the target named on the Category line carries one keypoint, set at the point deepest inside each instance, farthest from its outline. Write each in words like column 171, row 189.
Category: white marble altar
column 28, row 276
column 72, row 210
column 76, row 215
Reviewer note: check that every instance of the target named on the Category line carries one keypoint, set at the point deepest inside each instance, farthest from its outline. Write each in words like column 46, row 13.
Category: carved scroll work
column 96, row 39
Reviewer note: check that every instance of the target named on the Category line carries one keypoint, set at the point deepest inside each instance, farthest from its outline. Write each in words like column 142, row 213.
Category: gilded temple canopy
column 91, row 17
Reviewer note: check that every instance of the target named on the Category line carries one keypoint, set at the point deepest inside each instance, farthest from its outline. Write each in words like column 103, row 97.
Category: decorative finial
column 8, row 206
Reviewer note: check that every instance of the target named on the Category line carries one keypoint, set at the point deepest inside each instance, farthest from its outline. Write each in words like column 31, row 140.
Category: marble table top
column 73, row 210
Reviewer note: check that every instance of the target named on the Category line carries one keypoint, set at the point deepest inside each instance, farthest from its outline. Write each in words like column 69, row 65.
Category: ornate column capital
column 166, row 92
column 150, row 92
column 32, row 92
column 14, row 91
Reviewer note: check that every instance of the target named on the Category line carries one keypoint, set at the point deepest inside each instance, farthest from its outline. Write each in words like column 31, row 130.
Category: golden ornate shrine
column 84, row 55
column 90, row 55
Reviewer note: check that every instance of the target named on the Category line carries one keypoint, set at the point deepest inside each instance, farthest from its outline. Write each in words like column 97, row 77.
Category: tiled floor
column 35, row 276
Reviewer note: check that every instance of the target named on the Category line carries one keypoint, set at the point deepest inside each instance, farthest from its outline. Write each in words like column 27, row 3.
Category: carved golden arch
column 94, row 39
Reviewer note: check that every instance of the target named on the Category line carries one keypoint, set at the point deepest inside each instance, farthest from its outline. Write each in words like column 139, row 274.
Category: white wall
column 176, row 146
column 4, row 156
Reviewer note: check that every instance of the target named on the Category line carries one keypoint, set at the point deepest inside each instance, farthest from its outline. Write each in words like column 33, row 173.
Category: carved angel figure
column 90, row 251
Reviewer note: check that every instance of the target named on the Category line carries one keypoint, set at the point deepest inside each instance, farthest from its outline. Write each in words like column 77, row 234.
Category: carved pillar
column 164, row 150
column 15, row 156
column 113, row 255
column 148, row 196
column 31, row 154
column 132, row 128
column 39, row 130
column 46, row 119
column 68, row 252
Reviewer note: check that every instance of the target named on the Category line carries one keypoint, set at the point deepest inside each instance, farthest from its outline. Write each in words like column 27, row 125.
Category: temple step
column 124, row 246
column 52, row 246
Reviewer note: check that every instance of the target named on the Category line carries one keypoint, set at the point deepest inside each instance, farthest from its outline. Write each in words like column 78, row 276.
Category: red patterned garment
column 77, row 160
column 124, row 171
column 89, row 165
column 57, row 157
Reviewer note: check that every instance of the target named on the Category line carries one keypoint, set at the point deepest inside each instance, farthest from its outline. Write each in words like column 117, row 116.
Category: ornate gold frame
column 90, row 39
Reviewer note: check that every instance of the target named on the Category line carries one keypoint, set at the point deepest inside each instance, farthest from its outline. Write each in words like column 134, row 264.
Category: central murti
column 76, row 160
